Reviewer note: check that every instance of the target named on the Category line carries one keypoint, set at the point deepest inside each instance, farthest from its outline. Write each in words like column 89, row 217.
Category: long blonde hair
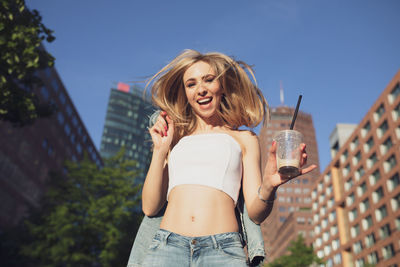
column 242, row 103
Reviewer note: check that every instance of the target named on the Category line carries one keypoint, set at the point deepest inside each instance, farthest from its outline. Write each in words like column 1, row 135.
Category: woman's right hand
column 162, row 133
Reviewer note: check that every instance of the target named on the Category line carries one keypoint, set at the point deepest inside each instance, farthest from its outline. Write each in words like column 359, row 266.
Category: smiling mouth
column 204, row 101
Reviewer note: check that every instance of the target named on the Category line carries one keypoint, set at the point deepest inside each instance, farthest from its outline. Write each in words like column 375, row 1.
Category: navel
column 192, row 218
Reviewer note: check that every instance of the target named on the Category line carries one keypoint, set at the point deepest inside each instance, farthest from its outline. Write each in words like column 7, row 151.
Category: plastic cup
column 288, row 152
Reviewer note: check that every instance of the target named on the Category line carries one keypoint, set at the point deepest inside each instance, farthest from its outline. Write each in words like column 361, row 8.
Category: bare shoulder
column 248, row 140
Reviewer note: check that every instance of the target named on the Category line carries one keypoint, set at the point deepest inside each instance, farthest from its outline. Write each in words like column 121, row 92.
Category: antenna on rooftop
column 281, row 93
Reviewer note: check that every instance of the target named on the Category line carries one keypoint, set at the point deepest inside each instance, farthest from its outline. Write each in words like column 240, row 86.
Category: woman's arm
column 256, row 187
column 155, row 186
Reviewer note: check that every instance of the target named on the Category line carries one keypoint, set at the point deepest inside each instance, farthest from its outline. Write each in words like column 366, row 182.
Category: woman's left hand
column 271, row 174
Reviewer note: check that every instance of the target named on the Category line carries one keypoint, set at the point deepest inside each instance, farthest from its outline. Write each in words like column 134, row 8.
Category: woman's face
column 202, row 89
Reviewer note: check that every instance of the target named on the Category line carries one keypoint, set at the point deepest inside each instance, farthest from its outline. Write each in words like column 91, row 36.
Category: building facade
column 126, row 123
column 356, row 199
column 29, row 153
column 291, row 214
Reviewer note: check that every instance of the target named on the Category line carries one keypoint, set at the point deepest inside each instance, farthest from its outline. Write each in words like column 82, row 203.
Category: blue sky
column 339, row 54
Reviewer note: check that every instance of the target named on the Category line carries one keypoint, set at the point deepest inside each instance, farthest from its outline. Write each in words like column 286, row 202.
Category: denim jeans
column 170, row 249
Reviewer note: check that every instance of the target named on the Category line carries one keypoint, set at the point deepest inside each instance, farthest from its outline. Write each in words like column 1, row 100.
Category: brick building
column 291, row 214
column 356, row 199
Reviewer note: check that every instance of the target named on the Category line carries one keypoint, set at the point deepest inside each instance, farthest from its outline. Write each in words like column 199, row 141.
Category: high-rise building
column 28, row 153
column 291, row 214
column 356, row 200
column 126, row 125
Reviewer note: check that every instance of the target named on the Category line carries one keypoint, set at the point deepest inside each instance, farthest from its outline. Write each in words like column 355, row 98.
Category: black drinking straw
column 295, row 112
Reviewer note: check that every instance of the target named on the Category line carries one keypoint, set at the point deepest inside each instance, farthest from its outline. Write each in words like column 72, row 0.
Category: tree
column 300, row 255
column 87, row 218
column 21, row 55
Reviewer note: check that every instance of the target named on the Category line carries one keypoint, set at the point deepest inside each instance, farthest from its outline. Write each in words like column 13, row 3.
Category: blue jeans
column 170, row 249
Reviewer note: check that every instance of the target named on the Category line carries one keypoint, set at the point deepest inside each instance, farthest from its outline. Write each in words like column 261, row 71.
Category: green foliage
column 87, row 218
column 300, row 255
column 21, row 55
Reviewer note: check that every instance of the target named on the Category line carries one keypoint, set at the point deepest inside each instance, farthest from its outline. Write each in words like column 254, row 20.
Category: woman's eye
column 210, row 79
column 190, row 85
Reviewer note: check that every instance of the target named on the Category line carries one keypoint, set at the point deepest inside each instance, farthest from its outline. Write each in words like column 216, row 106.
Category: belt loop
column 166, row 237
column 215, row 243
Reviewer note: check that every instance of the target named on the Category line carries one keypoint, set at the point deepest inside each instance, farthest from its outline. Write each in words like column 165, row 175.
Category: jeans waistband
column 216, row 241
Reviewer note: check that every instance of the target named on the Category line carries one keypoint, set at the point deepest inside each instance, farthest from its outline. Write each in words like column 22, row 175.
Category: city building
column 291, row 214
column 29, row 153
column 356, row 199
column 126, row 125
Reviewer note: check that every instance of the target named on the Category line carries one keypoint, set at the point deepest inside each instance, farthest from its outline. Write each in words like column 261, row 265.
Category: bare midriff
column 196, row 210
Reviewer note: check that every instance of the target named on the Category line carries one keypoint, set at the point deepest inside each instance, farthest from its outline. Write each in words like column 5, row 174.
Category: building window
column 346, row 170
column 385, row 146
column 377, row 195
column 365, row 130
column 389, row 163
column 332, row 216
column 348, row 185
column 384, row 231
column 334, row 230
column 350, row 199
column 305, row 181
column 373, row 258
column 67, row 129
column 372, row 160
column 327, row 178
column 396, row 112
column 356, row 158
column 379, row 112
column 354, row 143
column 282, row 219
column 395, row 202
column 355, row 231
column 282, row 209
column 324, row 223
column 369, row 144
column 330, row 203
column 320, row 254
column 337, row 259
column 357, row 247
column 359, row 173
column 344, row 156
column 314, row 194
column 62, row 98
column 361, row 189
column 335, row 244
column 394, row 93
column 364, row 205
column 397, row 223
column 393, row 182
column 55, row 85
column 374, row 177
column 320, row 187
column 381, row 213
column 360, row 262
column 353, row 214
column 321, row 198
column 327, row 250
column 316, row 218
column 45, row 93
column 60, row 118
column 370, row 240
column 367, row 222
column 382, row 129
column 388, row 251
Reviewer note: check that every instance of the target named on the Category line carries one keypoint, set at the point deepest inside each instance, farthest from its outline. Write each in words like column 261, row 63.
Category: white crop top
column 212, row 159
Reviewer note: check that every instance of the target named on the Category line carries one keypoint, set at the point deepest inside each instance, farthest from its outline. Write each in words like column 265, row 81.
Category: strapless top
column 211, row 159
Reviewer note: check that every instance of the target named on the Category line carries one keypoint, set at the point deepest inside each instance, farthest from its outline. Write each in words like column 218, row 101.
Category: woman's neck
column 210, row 124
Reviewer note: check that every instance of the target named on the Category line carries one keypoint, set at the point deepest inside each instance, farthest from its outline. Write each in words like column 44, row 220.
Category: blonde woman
column 201, row 160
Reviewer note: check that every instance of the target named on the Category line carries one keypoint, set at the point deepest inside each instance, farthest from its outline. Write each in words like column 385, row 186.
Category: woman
column 201, row 160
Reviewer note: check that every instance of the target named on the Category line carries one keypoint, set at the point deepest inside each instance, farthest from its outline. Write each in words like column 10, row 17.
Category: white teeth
column 205, row 100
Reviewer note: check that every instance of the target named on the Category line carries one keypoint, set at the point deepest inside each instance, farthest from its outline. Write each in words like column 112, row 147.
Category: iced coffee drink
column 288, row 152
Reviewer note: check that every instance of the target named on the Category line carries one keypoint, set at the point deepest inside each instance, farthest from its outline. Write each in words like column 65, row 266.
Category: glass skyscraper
column 126, row 125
